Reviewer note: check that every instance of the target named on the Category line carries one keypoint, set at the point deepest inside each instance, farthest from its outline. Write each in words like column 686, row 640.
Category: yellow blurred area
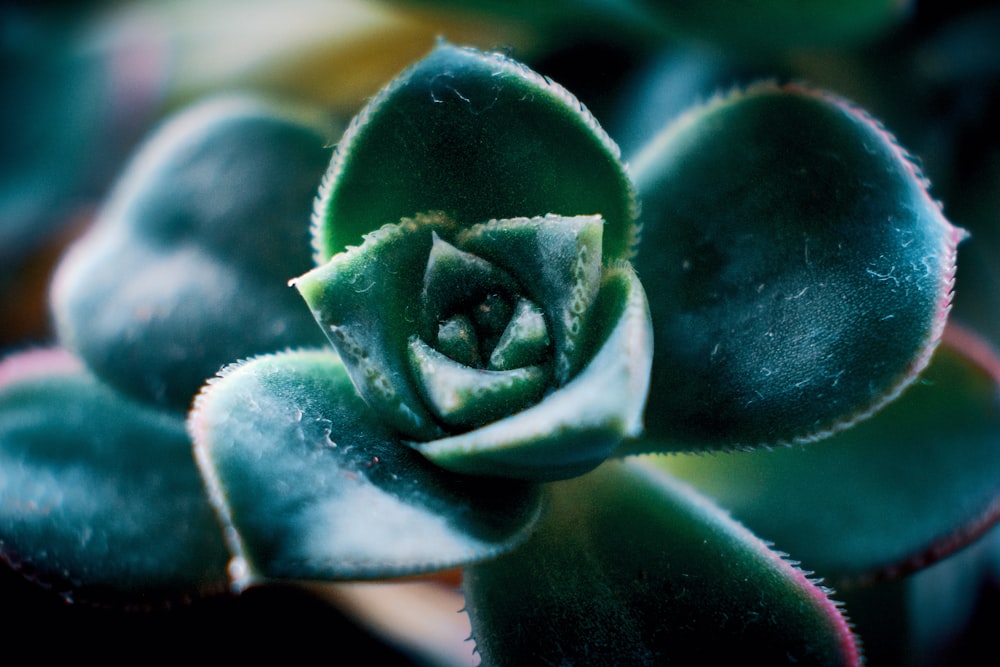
column 337, row 53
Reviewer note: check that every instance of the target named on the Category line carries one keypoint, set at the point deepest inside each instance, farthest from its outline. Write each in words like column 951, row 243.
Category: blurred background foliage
column 83, row 82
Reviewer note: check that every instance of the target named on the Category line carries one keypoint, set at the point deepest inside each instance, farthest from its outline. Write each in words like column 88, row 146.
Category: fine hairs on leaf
column 726, row 403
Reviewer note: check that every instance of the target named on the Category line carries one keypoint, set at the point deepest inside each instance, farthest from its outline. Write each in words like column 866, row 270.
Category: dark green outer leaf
column 312, row 485
column 187, row 265
column 628, row 567
column 89, row 482
column 799, row 273
column 893, row 494
column 479, row 137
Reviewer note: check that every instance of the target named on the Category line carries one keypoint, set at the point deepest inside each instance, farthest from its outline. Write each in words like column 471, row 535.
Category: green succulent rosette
column 504, row 333
column 507, row 347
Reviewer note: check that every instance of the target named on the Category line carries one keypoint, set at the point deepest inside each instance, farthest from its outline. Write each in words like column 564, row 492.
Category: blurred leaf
column 906, row 488
column 70, row 111
column 186, row 268
column 773, row 25
column 89, row 482
column 750, row 28
column 656, row 575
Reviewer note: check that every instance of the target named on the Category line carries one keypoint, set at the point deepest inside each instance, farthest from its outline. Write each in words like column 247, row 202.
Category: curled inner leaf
column 481, row 324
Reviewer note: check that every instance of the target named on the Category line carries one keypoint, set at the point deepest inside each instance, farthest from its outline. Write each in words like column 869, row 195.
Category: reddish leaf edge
column 986, row 357
column 822, row 594
column 953, row 234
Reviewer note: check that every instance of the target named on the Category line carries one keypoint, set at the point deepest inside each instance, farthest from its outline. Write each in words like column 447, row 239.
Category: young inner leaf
column 558, row 261
column 464, row 396
column 457, row 339
column 524, row 341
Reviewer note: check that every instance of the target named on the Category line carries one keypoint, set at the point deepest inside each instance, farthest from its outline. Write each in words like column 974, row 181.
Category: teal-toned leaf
column 628, row 567
column 187, row 265
column 524, row 341
column 454, row 280
column 558, row 262
column 929, row 617
column 468, row 397
column 801, row 272
column 479, row 137
column 574, row 428
column 367, row 300
column 312, row 485
column 891, row 495
column 457, row 339
column 99, row 493
column 747, row 28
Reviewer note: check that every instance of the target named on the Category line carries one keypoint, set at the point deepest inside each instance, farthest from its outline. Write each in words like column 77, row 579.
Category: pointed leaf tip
column 311, row 485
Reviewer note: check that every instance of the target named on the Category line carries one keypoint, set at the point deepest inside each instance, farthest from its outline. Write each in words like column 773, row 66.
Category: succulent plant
column 614, row 395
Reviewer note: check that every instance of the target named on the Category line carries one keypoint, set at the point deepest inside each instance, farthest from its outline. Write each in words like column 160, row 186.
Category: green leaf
column 477, row 136
column 89, row 479
column 761, row 26
column 187, row 265
column 812, row 296
column 576, row 427
column 312, row 485
column 453, row 279
column 929, row 617
column 654, row 575
column 524, row 341
column 558, row 261
column 463, row 396
column 891, row 495
column 367, row 300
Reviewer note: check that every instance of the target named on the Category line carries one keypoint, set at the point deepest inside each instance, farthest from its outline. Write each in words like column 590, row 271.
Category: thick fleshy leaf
column 481, row 137
column 812, row 296
column 311, row 484
column 654, row 575
column 186, row 268
column 99, row 493
column 367, row 301
column 576, row 427
column 929, row 617
column 464, row 396
column 893, row 494
column 453, row 280
column 524, row 340
column 600, row 323
column 558, row 260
